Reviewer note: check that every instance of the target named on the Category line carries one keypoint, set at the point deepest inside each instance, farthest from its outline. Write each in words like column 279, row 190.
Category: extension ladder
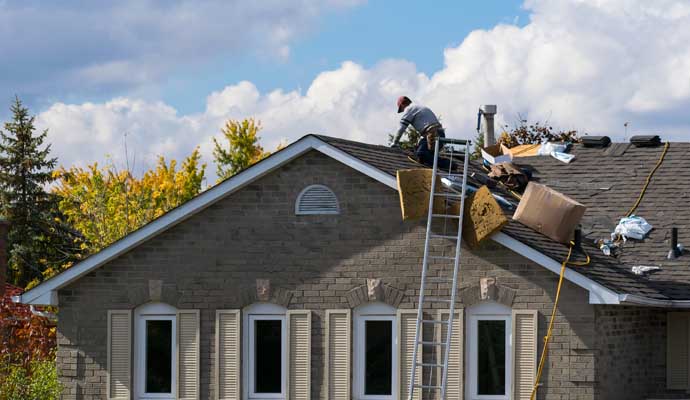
column 445, row 148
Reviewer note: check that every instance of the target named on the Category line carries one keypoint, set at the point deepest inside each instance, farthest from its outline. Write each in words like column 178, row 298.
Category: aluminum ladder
column 445, row 148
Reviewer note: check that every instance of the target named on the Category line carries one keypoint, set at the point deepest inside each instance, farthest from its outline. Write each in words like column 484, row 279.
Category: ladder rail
column 420, row 305
column 444, row 343
column 456, row 272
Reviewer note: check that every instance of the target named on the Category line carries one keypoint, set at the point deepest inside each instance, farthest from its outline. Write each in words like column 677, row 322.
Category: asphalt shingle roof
column 607, row 181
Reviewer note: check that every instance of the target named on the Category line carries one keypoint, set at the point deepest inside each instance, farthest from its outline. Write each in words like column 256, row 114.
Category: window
column 375, row 357
column 155, row 346
column 264, row 351
column 489, row 352
column 316, row 199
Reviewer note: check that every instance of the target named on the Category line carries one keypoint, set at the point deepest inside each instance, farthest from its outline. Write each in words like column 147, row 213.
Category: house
column 297, row 279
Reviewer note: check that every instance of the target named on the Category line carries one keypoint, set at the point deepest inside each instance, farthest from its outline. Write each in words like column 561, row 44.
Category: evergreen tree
column 37, row 240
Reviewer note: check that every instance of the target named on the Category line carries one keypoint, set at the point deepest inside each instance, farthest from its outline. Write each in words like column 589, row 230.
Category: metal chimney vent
column 317, row 199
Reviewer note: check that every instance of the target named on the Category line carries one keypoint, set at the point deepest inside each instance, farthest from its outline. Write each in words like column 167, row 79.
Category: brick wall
column 208, row 260
column 632, row 358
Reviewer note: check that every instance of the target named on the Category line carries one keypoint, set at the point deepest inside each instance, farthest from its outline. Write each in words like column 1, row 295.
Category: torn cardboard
column 414, row 186
column 549, row 212
column 483, row 217
column 523, row 150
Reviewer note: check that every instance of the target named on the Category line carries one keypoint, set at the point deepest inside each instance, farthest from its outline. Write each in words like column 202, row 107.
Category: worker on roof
column 426, row 149
column 421, row 118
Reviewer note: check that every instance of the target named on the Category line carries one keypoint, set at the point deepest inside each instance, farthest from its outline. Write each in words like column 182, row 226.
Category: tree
column 242, row 149
column 535, row 133
column 106, row 204
column 409, row 139
column 37, row 237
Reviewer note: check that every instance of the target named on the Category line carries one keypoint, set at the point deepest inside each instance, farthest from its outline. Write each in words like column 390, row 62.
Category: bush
column 37, row 382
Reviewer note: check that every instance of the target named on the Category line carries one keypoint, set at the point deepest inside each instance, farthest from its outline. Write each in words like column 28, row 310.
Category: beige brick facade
column 213, row 259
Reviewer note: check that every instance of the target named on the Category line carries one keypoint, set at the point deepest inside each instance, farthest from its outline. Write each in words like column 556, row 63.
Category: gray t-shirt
column 419, row 117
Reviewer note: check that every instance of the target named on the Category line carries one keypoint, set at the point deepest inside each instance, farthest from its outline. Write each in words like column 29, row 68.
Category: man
column 426, row 148
column 420, row 117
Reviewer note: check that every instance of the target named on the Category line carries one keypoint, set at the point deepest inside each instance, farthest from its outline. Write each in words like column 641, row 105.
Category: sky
column 164, row 76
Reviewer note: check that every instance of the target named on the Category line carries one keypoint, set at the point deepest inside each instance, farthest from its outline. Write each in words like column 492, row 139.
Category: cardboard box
column 549, row 212
column 483, row 217
column 494, row 154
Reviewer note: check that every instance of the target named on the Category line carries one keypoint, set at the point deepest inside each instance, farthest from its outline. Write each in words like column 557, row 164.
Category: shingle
column 607, row 181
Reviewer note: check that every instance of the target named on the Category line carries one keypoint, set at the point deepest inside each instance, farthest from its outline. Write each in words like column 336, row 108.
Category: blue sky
column 167, row 74
column 364, row 34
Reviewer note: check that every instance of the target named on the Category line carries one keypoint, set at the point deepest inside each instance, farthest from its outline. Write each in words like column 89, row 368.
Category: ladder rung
column 427, row 386
column 449, row 195
column 438, row 279
column 444, row 140
column 432, row 365
column 436, row 299
column 442, row 258
column 434, row 321
column 423, row 343
column 449, row 175
column 432, row 236
column 445, row 216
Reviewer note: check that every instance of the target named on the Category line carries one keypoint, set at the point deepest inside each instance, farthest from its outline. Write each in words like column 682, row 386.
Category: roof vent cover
column 317, row 199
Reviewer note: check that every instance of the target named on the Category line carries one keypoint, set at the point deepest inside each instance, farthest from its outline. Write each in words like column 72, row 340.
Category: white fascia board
column 356, row 164
column 598, row 294
column 646, row 301
column 41, row 294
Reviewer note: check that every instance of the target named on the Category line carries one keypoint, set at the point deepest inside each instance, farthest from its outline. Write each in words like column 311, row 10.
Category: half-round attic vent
column 316, row 199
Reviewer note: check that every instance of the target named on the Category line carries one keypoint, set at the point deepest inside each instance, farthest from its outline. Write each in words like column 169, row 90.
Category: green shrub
column 37, row 382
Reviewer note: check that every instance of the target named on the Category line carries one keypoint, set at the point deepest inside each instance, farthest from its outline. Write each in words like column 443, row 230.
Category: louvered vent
column 317, row 199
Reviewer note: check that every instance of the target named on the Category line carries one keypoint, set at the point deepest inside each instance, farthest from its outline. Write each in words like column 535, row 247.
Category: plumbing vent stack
column 488, row 113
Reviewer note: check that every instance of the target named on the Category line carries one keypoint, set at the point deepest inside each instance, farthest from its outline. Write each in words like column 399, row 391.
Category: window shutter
column 524, row 357
column 299, row 354
column 228, row 354
column 407, row 320
column 338, row 350
column 456, row 361
column 188, row 354
column 119, row 383
column 677, row 350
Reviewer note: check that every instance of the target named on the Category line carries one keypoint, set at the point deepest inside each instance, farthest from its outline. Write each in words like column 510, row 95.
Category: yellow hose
column 649, row 179
column 549, row 331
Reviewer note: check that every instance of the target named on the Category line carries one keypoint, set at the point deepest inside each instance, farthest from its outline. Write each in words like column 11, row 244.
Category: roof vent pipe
column 577, row 239
column 676, row 249
column 488, row 111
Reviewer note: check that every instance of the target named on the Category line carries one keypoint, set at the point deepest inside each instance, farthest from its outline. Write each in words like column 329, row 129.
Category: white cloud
column 74, row 47
column 590, row 66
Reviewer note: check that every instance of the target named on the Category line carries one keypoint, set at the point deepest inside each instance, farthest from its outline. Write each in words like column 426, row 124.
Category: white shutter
column 677, row 350
column 188, row 354
column 119, row 381
column 524, row 357
column 456, row 360
column 407, row 320
column 228, row 355
column 299, row 354
column 338, row 350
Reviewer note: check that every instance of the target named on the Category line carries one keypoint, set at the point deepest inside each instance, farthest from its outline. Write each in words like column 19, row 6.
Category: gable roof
column 606, row 283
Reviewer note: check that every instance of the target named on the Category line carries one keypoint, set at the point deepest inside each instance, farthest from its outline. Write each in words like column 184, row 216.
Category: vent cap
column 645, row 140
column 317, row 199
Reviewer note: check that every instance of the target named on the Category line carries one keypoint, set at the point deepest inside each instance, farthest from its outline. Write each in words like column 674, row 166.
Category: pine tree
column 37, row 240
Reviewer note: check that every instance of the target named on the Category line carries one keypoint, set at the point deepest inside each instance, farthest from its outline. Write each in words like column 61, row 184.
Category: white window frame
column 262, row 312
column 373, row 312
column 153, row 312
column 487, row 311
